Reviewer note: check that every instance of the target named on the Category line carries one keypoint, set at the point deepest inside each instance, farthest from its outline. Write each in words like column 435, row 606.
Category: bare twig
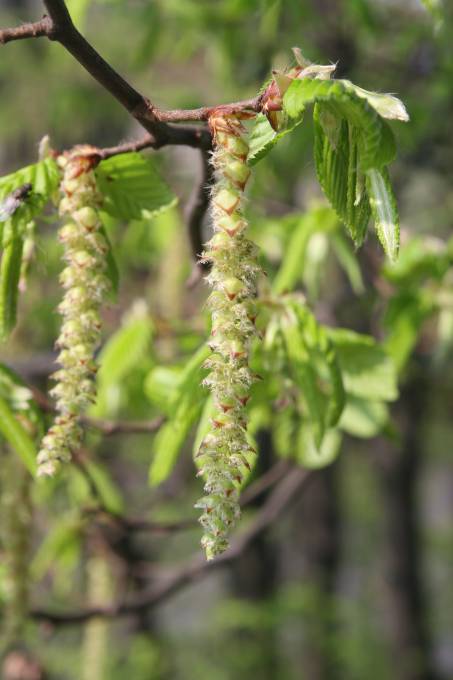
column 194, row 568
column 58, row 26
column 109, row 427
column 137, row 145
column 38, row 29
column 195, row 212
column 251, row 493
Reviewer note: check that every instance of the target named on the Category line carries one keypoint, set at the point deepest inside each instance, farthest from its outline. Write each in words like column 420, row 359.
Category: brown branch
column 38, row 29
column 137, row 145
column 250, row 494
column 58, row 26
column 194, row 568
column 109, row 427
column 195, row 211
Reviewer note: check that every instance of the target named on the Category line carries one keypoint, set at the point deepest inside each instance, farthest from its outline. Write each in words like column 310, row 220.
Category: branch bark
column 58, row 26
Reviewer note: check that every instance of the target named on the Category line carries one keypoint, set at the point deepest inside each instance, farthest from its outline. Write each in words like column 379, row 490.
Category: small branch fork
column 57, row 26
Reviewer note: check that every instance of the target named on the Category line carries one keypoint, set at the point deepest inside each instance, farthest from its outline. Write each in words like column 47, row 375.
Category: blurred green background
column 356, row 580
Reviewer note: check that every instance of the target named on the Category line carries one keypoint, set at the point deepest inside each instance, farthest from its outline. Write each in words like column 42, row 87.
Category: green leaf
column 125, row 348
column 20, row 398
column 385, row 211
column 111, row 271
column 108, row 491
column 132, row 187
column 312, row 457
column 10, row 268
column 375, row 139
column 60, row 546
column 204, row 425
column 404, row 318
column 336, row 168
column 348, row 261
column 319, row 218
column 185, row 405
column 420, row 259
column 305, row 377
column 160, row 386
column 17, row 436
column 263, row 137
column 171, row 437
column 121, row 354
column 44, row 178
column 387, row 105
column 366, row 368
column 364, row 418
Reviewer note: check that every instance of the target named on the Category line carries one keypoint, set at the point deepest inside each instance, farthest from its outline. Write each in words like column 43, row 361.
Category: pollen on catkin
column 234, row 269
column 85, row 284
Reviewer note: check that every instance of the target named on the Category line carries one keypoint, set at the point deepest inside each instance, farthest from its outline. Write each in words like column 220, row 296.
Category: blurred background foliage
column 355, row 581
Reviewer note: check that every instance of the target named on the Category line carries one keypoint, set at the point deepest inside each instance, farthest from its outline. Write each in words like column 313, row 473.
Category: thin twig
column 37, row 29
column 58, row 26
column 110, row 427
column 250, row 494
column 194, row 568
column 195, row 211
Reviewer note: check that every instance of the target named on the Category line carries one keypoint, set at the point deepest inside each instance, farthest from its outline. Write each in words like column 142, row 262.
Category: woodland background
column 355, row 580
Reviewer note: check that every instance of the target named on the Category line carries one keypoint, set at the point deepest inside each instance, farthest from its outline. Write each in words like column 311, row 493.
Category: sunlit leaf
column 385, row 212
column 132, row 187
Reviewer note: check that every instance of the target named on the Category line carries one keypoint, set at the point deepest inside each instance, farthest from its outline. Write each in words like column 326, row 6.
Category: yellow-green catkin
column 224, row 450
column 85, row 284
column 14, row 533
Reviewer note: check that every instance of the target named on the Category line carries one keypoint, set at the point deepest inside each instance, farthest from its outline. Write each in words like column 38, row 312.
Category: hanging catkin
column 85, row 285
column 223, row 451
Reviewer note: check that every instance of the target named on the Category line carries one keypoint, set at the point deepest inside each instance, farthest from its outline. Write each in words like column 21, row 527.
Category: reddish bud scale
column 85, row 284
column 224, row 450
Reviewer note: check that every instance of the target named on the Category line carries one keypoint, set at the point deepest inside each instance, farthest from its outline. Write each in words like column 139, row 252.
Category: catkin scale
column 224, row 450
column 85, row 285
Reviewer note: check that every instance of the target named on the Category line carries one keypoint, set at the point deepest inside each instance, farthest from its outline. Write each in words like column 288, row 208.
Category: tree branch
column 38, row 29
column 195, row 212
column 250, row 494
column 58, row 26
column 109, row 427
column 194, row 568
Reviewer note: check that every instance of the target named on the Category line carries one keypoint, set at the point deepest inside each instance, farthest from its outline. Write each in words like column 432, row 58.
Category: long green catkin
column 223, row 451
column 85, row 285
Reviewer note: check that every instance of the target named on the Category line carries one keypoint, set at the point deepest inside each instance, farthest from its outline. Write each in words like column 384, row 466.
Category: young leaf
column 338, row 175
column 263, row 137
column 17, row 436
column 122, row 353
column 375, row 139
column 111, row 265
column 132, row 187
column 9, row 281
column 317, row 219
column 60, row 546
column 44, row 177
column 305, row 377
column 366, row 368
column 384, row 209
column 316, row 457
column 348, row 261
column 108, row 491
column 186, row 403
column 387, row 105
column 363, row 417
